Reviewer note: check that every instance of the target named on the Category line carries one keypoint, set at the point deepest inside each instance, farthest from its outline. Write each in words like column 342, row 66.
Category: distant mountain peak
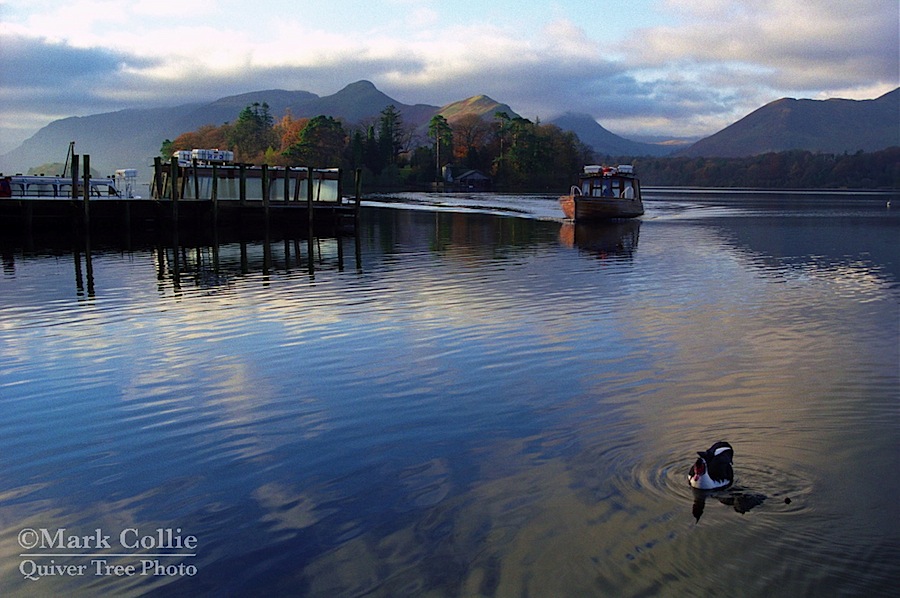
column 480, row 105
column 361, row 85
column 834, row 126
column 603, row 141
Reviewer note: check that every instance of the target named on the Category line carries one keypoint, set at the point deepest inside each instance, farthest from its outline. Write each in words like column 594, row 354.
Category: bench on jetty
column 193, row 194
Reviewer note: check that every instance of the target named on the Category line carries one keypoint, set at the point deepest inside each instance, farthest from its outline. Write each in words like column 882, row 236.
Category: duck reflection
column 738, row 498
column 604, row 239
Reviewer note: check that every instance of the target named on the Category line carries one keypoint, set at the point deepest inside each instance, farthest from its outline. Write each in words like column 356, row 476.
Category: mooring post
column 309, row 197
column 287, row 183
column 75, row 175
column 297, row 186
column 242, row 183
column 265, row 191
column 196, row 178
column 214, row 195
column 357, row 184
column 87, row 190
column 173, row 175
column 157, row 177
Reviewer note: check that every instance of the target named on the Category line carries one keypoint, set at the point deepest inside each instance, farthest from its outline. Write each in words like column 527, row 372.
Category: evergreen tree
column 390, row 134
column 167, row 149
column 374, row 159
column 320, row 145
column 439, row 129
column 252, row 134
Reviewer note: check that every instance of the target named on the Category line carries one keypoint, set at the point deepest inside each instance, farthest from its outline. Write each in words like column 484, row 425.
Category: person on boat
column 628, row 193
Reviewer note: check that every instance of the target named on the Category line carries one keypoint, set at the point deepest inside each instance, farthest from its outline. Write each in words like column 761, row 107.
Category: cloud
column 696, row 66
column 801, row 45
column 719, row 60
column 41, row 81
column 38, row 62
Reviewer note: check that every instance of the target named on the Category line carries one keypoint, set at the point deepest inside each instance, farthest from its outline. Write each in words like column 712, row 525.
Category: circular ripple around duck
column 782, row 491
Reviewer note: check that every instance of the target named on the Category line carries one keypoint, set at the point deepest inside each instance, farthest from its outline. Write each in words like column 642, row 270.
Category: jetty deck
column 183, row 195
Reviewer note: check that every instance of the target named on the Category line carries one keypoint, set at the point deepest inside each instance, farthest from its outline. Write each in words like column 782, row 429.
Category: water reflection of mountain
column 823, row 242
column 603, row 239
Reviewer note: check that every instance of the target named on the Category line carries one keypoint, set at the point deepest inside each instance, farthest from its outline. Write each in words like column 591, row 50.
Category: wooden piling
column 287, row 183
column 87, row 190
column 214, row 195
column 297, row 186
column 157, row 176
column 173, row 177
column 242, row 183
column 75, row 176
column 357, row 189
column 309, row 196
column 196, row 178
column 264, row 181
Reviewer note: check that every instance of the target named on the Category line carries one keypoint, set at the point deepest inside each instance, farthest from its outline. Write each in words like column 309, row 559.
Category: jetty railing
column 243, row 182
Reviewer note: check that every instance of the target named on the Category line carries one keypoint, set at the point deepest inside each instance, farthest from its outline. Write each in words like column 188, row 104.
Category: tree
column 321, row 143
column 373, row 158
column 390, row 134
column 470, row 133
column 207, row 136
column 287, row 130
column 439, row 129
column 252, row 134
column 167, row 149
column 357, row 150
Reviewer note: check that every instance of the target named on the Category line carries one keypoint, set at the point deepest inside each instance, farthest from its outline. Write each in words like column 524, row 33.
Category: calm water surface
column 460, row 403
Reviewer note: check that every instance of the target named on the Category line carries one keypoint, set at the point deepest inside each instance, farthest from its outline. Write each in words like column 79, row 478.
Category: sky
column 641, row 68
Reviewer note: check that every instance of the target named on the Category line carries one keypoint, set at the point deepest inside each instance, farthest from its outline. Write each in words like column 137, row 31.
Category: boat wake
column 538, row 206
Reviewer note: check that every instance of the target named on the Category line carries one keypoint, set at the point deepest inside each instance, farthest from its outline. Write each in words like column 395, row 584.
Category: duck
column 713, row 469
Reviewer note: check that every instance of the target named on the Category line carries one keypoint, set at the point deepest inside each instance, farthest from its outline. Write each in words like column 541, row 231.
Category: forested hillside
column 782, row 170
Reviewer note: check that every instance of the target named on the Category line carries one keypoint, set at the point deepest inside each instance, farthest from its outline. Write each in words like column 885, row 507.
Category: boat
column 69, row 185
column 59, row 187
column 604, row 193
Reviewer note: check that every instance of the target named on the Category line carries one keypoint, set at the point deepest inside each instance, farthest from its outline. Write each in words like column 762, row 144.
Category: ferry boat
column 39, row 186
column 604, row 193
column 43, row 187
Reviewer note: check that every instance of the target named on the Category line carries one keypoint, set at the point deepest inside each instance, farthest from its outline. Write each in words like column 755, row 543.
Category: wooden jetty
column 183, row 195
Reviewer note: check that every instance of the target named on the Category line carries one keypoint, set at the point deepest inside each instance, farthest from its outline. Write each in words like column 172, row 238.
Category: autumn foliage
column 516, row 152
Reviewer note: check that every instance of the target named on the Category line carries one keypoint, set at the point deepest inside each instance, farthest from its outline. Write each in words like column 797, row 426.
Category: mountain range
column 130, row 138
column 833, row 126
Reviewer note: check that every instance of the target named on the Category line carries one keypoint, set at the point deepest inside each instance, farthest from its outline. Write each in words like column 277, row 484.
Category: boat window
column 100, row 190
column 615, row 187
column 41, row 189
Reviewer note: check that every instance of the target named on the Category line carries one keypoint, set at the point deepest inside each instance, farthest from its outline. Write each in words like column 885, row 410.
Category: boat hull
column 586, row 209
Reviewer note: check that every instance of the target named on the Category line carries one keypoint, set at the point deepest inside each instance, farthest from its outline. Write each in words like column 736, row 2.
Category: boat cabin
column 609, row 181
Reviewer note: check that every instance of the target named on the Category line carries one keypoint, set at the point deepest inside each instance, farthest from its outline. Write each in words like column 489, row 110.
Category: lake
column 468, row 398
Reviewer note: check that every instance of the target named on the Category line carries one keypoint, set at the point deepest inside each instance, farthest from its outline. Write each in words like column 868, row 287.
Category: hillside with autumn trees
column 517, row 153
